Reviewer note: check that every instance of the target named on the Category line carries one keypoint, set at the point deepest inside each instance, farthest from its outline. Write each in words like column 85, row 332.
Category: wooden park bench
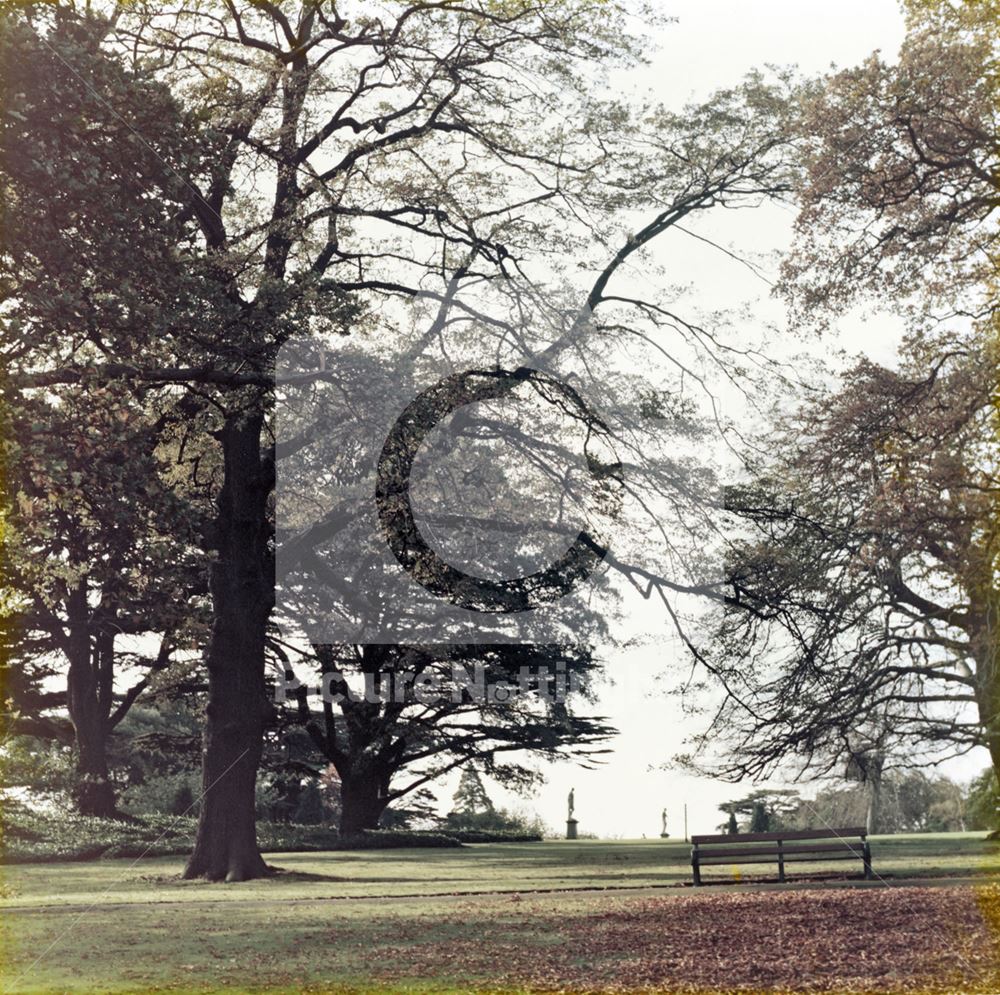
column 786, row 847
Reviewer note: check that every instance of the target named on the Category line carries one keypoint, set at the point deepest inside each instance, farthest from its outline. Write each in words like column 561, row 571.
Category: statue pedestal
column 571, row 829
column 664, row 836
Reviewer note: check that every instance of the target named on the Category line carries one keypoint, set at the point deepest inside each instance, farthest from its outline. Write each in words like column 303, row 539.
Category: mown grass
column 552, row 865
column 133, row 925
column 274, row 947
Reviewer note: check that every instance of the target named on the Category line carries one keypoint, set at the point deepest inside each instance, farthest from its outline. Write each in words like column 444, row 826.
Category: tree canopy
column 864, row 569
column 288, row 173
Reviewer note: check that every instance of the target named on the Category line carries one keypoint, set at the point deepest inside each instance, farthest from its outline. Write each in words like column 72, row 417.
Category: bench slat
column 791, row 834
column 796, row 859
column 772, row 851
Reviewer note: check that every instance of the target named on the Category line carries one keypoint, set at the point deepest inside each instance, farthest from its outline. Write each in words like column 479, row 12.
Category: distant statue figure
column 663, row 816
column 571, row 804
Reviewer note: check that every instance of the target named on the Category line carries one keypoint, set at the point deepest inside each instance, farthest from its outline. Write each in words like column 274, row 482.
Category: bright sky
column 713, row 44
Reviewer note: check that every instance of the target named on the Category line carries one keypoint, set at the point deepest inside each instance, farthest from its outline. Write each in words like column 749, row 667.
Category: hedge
column 493, row 836
column 34, row 837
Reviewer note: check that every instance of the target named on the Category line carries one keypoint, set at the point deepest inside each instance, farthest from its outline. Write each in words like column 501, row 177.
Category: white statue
column 570, row 801
column 663, row 816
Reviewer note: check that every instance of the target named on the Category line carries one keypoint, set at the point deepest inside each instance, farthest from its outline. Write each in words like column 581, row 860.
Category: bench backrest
column 850, row 832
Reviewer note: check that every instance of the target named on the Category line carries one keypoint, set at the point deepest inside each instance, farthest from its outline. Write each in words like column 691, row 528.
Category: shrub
column 760, row 820
column 982, row 804
column 36, row 837
column 290, row 837
column 498, row 821
column 310, row 809
column 168, row 794
column 385, row 839
column 183, row 801
column 493, row 836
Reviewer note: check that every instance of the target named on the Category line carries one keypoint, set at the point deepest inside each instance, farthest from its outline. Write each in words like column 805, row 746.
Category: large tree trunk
column 242, row 593
column 986, row 651
column 362, row 802
column 93, row 792
column 990, row 719
column 88, row 699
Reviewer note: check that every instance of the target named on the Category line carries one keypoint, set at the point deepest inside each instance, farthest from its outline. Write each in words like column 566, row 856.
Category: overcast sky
column 713, row 44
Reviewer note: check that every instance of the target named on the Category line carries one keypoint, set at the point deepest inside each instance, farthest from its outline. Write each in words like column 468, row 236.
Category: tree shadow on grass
column 281, row 875
column 276, row 874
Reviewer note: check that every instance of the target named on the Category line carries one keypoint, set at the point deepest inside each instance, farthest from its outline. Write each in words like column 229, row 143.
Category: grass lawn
column 123, row 925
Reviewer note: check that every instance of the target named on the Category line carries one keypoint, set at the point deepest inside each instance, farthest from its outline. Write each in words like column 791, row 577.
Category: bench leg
column 868, row 861
column 781, row 864
column 695, row 869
